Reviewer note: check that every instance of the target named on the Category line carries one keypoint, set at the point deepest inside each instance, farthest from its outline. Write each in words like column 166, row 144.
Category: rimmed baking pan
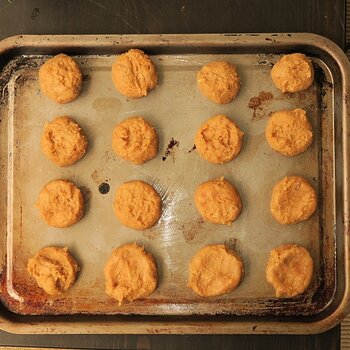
column 176, row 109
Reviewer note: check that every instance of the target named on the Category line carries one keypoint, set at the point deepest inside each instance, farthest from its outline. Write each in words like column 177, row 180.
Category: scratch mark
column 338, row 14
column 98, row 4
column 127, row 23
column 136, row 18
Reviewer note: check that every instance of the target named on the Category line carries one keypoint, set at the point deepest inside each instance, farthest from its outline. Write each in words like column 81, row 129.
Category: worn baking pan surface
column 176, row 109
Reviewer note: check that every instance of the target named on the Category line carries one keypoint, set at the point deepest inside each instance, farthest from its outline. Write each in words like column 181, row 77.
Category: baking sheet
column 176, row 109
column 177, row 310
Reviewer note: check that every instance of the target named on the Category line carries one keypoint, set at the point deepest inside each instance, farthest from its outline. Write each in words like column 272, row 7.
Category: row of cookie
column 131, row 272
column 138, row 205
column 218, row 140
column 134, row 75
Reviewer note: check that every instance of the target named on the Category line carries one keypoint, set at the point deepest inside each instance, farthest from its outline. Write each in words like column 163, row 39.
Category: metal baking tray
column 176, row 108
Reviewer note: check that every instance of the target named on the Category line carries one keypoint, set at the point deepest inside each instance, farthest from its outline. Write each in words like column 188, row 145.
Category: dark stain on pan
column 257, row 103
column 323, row 87
column 86, row 77
column 233, row 244
column 299, row 96
column 104, row 188
column 265, row 63
column 87, row 193
column 170, row 150
column 192, row 149
column 35, row 13
column 272, row 40
column 13, row 66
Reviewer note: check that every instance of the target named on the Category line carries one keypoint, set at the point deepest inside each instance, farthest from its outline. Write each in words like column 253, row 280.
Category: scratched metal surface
column 176, row 109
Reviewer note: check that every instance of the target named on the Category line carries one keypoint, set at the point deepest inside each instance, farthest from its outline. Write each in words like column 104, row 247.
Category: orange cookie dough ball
column 134, row 74
column 60, row 79
column 130, row 273
column 293, row 200
column 218, row 201
column 289, row 132
column 54, row 269
column 137, row 205
column 219, row 140
column 135, row 140
column 219, row 81
column 289, row 270
column 61, row 203
column 292, row 73
column 63, row 141
column 215, row 270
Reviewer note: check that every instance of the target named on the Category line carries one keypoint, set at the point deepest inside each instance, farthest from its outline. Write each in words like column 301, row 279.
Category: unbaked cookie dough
column 218, row 201
column 289, row 132
column 292, row 73
column 293, row 200
column 137, row 205
column 54, row 269
column 61, row 203
column 135, row 140
column 134, row 74
column 60, row 79
column 219, row 81
column 289, row 270
column 63, row 141
column 130, row 273
column 215, row 270
column 219, row 140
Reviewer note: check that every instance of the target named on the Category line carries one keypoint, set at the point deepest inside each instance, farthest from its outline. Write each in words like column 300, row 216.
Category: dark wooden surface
column 325, row 17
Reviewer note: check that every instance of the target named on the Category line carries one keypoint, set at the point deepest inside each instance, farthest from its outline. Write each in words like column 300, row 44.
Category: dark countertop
column 325, row 17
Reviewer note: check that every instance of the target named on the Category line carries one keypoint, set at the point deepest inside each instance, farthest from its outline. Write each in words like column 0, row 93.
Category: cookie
column 63, row 141
column 293, row 200
column 289, row 270
column 215, row 270
column 130, row 273
column 289, row 132
column 137, row 205
column 218, row 201
column 135, row 140
column 219, row 140
column 134, row 74
column 54, row 269
column 61, row 203
column 292, row 73
column 60, row 79
column 219, row 81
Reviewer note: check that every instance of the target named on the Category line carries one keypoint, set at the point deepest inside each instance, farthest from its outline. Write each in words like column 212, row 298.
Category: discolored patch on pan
column 105, row 103
column 257, row 104
column 151, row 233
column 191, row 229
